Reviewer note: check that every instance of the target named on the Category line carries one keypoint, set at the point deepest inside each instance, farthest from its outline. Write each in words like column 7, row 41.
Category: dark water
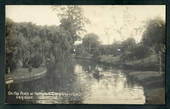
column 81, row 82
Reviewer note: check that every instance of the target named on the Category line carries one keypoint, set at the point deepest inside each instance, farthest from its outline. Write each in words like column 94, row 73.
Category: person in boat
column 96, row 73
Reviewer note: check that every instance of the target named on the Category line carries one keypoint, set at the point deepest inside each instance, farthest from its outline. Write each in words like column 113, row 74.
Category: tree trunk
column 160, row 63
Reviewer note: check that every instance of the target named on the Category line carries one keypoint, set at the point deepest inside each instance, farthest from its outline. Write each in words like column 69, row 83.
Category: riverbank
column 23, row 74
column 153, row 83
column 150, row 63
column 80, row 57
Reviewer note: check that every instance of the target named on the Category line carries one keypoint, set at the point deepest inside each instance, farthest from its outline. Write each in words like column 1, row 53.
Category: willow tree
column 10, row 32
column 72, row 22
column 71, row 26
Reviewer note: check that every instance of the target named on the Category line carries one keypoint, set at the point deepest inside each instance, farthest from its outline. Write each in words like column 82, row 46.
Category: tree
column 128, row 44
column 22, row 44
column 140, row 51
column 127, row 48
column 116, row 48
column 72, row 20
column 10, row 28
column 10, row 42
column 71, row 25
column 154, row 35
column 91, row 43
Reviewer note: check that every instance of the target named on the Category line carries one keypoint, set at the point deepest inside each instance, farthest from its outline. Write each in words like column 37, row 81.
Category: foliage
column 91, row 43
column 154, row 35
column 10, row 42
column 32, row 45
column 128, row 44
column 72, row 20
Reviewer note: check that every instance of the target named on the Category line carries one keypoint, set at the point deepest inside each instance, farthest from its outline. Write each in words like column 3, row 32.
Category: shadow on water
column 59, row 79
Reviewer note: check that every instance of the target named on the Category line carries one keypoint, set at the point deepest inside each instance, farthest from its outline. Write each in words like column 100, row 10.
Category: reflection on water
column 111, row 88
column 87, row 83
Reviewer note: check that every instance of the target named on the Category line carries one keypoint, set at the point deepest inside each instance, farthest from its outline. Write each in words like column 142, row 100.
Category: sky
column 110, row 22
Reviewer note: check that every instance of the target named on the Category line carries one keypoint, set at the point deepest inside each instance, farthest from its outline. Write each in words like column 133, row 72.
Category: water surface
column 82, row 82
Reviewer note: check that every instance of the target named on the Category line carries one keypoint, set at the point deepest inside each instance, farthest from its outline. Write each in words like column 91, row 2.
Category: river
column 83, row 82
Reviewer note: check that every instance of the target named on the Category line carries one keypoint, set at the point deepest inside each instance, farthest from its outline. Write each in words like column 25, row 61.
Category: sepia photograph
column 85, row 54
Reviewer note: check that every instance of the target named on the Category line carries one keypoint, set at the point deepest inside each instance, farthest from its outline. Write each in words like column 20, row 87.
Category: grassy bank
column 146, row 64
column 24, row 74
column 153, row 83
column 155, row 96
column 109, row 59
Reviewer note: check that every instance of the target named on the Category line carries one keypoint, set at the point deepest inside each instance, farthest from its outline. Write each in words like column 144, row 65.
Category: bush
column 109, row 59
column 36, row 61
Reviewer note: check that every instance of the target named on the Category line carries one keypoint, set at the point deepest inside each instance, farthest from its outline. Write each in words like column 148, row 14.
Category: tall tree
column 154, row 35
column 11, row 43
column 72, row 20
column 91, row 43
